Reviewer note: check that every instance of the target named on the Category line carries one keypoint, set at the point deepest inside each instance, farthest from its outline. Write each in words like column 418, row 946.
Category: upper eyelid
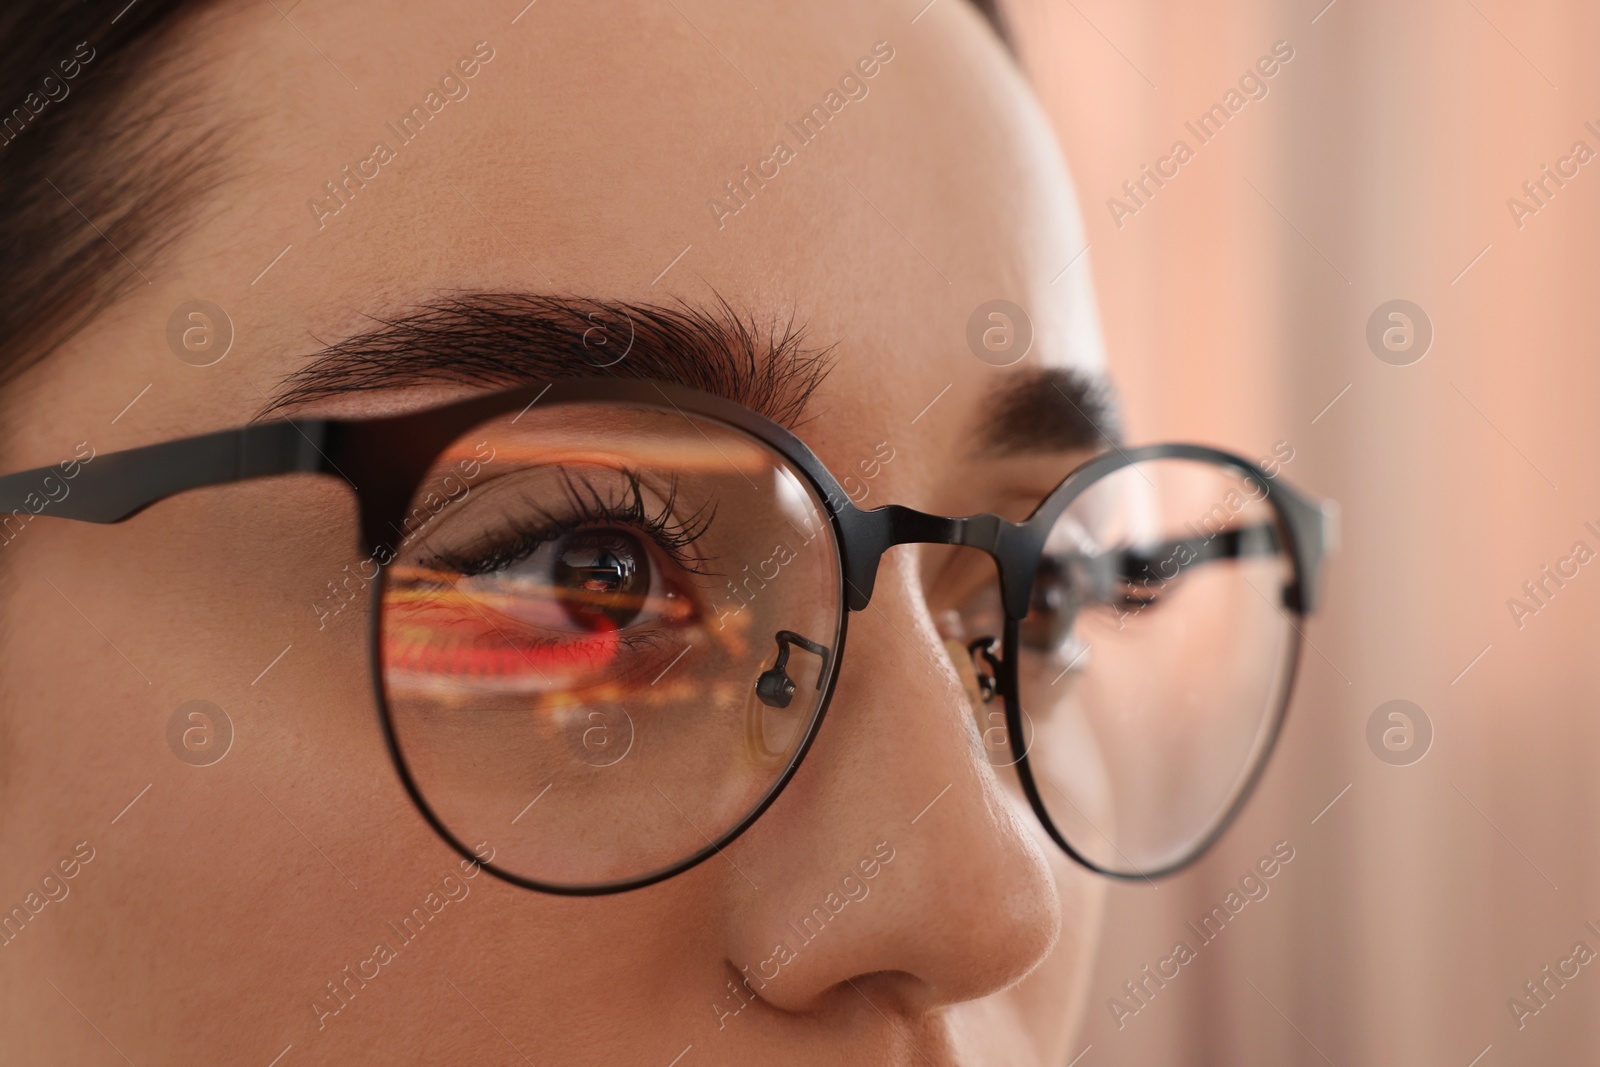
column 550, row 525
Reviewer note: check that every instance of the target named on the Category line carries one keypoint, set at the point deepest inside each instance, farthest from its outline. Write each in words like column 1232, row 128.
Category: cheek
column 269, row 871
column 1066, row 973
column 241, row 869
column 1056, row 996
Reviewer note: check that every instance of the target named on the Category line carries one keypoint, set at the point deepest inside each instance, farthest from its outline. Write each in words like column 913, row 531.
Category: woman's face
column 227, row 910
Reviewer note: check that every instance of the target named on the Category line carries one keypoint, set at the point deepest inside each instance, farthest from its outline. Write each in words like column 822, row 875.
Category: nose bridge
column 968, row 906
column 866, row 535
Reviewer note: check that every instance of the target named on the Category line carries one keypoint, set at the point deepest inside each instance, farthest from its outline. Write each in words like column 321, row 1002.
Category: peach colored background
column 1235, row 305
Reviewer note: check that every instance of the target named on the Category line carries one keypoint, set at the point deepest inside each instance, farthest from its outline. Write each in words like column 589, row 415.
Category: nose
column 896, row 857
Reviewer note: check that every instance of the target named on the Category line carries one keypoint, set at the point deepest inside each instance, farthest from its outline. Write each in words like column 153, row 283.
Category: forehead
column 875, row 180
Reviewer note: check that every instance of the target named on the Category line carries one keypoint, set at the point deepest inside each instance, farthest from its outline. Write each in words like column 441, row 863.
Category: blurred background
column 1385, row 161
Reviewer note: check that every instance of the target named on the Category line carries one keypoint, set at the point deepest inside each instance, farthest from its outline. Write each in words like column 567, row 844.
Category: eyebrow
column 1048, row 410
column 504, row 339
column 500, row 340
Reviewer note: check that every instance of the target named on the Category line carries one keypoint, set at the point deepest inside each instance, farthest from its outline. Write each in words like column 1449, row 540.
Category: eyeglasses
column 608, row 617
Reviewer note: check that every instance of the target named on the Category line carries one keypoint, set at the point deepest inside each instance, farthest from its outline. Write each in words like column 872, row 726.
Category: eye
column 1139, row 593
column 601, row 577
column 1143, row 579
column 592, row 580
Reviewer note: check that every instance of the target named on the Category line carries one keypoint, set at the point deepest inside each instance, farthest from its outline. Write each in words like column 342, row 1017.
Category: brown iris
column 602, row 577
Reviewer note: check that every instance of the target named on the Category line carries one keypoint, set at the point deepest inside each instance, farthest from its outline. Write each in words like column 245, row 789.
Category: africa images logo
column 1253, row 886
column 1252, row 85
column 454, row 86
column 852, row 87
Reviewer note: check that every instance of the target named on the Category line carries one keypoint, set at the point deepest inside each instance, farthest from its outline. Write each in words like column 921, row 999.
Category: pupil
column 602, row 578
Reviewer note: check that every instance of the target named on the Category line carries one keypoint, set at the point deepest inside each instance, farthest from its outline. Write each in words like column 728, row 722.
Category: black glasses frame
column 385, row 460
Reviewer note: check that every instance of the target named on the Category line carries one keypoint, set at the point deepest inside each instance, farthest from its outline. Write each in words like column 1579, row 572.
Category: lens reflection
column 575, row 630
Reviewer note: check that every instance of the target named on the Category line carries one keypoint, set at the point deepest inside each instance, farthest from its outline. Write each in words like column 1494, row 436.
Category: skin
column 219, row 904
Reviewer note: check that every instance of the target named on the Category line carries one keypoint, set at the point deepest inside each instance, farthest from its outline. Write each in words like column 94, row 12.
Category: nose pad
column 987, row 672
column 774, row 687
column 771, row 727
column 976, row 665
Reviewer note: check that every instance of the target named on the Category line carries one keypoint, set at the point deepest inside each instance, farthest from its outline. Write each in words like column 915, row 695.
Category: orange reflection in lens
column 440, row 635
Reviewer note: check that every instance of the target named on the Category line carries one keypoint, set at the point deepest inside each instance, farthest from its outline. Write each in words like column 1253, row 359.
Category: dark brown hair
column 102, row 166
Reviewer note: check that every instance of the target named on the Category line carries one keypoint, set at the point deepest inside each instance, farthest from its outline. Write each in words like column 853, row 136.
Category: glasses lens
column 605, row 637
column 1155, row 659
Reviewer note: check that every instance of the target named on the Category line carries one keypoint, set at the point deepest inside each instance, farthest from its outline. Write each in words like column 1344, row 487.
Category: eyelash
column 590, row 506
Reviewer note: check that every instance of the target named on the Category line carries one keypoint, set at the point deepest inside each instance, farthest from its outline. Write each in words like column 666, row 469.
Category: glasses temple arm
column 117, row 486
column 1314, row 528
column 1151, row 565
